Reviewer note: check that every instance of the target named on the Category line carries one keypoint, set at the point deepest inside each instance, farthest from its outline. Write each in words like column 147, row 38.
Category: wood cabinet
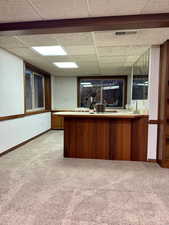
column 57, row 122
column 163, row 128
column 106, row 138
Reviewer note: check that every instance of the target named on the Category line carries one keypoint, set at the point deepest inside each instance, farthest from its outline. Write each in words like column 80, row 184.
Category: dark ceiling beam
column 86, row 24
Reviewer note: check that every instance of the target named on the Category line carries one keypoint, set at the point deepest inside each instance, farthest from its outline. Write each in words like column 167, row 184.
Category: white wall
column 154, row 72
column 64, row 92
column 11, row 84
column 16, row 131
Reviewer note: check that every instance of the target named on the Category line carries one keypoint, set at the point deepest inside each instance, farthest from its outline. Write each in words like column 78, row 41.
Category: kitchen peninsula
column 113, row 136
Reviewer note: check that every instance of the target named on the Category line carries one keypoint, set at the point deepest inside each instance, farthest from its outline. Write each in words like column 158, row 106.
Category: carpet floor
column 39, row 187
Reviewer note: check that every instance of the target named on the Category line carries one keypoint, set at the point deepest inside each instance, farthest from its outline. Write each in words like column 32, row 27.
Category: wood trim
column 123, row 77
column 162, row 145
column 86, row 24
column 24, row 85
column 78, row 90
column 21, row 144
column 104, row 116
column 36, row 112
column 48, row 93
column 154, row 121
column 36, row 69
column 152, row 160
column 62, row 110
column 3, row 118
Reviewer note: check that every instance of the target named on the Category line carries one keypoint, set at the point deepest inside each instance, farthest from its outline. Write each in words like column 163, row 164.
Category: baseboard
column 57, row 129
column 23, row 143
column 152, row 160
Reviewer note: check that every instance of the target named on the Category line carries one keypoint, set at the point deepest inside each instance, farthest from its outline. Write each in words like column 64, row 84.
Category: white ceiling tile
column 112, row 59
column 87, row 64
column 69, row 73
column 18, row 10
column 85, row 58
column 9, row 42
column 64, row 58
column 41, row 63
column 132, row 59
column 92, row 67
column 128, row 63
column 136, row 50
column 153, row 36
column 80, row 50
column 90, row 70
column 111, row 65
column 74, row 39
column 112, row 51
column 111, row 56
column 55, row 9
column 145, row 37
column 38, row 40
column 116, row 71
column 112, row 7
column 156, row 6
column 24, row 52
column 109, row 38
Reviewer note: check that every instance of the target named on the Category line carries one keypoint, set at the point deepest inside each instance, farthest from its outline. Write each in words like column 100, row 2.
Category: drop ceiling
column 96, row 53
column 31, row 10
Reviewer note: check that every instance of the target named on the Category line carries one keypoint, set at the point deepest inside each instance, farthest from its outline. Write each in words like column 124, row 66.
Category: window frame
column 137, row 77
column 121, row 77
column 33, row 93
column 46, row 89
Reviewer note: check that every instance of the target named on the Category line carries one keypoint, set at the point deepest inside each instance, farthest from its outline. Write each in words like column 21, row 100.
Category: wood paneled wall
column 163, row 127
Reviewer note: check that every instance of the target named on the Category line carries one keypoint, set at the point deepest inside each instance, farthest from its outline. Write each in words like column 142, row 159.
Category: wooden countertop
column 126, row 115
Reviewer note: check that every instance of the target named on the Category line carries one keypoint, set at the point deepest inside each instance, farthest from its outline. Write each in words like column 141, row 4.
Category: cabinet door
column 120, row 139
column 86, row 138
column 139, row 139
column 57, row 122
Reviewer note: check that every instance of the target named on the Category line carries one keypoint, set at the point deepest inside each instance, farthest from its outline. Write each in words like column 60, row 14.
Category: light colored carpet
column 39, row 187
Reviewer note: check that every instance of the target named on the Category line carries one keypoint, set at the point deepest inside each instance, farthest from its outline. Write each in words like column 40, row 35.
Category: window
column 110, row 91
column 140, row 88
column 140, row 77
column 34, row 91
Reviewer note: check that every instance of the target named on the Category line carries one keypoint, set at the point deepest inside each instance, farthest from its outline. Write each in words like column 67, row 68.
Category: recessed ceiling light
column 50, row 50
column 71, row 65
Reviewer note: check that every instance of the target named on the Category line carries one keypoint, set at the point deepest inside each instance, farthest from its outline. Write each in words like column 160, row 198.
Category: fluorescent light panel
column 142, row 84
column 86, row 83
column 50, row 50
column 66, row 65
column 111, row 87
